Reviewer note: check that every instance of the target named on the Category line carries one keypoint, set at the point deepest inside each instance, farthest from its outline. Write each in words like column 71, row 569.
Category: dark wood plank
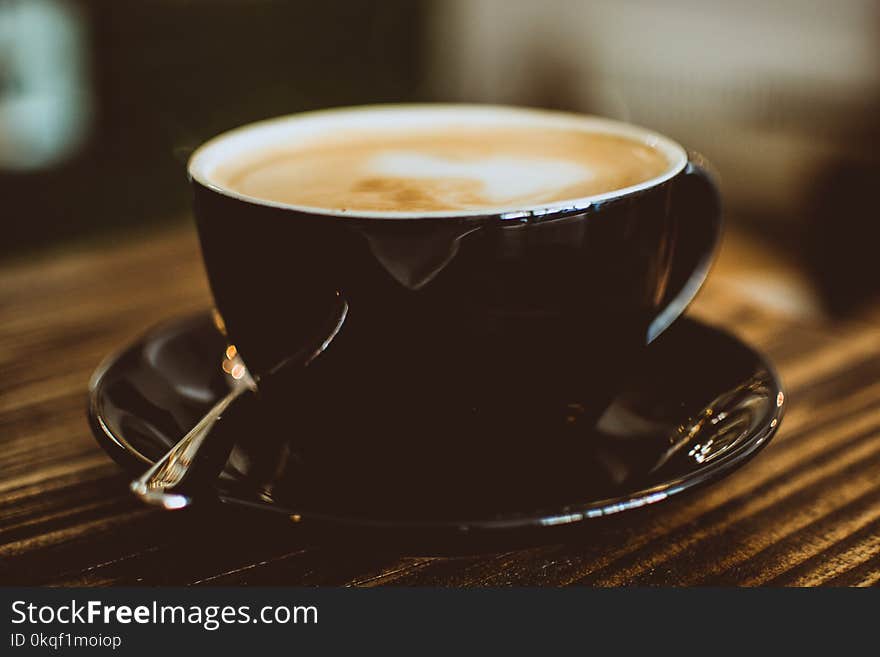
column 806, row 512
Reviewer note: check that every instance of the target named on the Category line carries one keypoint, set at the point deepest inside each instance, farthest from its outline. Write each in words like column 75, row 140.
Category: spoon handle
column 201, row 454
column 166, row 483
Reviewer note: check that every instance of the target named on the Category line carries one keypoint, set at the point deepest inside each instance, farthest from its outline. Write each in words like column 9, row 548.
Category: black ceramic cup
column 451, row 327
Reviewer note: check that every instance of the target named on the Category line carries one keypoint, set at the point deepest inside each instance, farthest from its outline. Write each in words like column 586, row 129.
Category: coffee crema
column 444, row 168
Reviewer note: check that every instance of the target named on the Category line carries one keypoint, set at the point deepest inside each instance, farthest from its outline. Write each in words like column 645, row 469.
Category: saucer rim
column 131, row 460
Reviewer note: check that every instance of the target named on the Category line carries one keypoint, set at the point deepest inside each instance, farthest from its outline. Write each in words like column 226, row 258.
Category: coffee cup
column 450, row 269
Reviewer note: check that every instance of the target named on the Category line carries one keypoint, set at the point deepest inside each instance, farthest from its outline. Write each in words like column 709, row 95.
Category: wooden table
column 806, row 511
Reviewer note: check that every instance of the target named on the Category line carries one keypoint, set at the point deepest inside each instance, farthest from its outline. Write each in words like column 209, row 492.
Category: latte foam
column 448, row 165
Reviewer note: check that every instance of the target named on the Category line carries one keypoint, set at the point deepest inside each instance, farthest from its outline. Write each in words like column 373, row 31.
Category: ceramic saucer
column 699, row 406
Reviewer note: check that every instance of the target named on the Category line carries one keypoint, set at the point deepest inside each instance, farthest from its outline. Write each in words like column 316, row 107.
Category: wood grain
column 805, row 512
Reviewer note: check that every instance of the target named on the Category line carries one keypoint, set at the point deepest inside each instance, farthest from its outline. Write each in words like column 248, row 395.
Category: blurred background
column 101, row 104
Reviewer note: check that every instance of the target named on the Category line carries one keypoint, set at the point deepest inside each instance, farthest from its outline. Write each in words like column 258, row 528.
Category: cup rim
column 235, row 141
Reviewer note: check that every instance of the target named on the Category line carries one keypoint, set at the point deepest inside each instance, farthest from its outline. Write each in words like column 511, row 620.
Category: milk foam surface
column 441, row 168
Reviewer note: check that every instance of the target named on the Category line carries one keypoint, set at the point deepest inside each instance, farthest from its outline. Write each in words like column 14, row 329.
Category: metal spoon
column 198, row 458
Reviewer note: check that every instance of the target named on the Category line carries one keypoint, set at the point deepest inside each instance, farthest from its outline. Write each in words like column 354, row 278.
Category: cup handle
column 696, row 204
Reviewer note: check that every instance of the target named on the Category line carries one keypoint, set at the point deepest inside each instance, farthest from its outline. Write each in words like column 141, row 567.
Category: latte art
column 447, row 168
column 497, row 179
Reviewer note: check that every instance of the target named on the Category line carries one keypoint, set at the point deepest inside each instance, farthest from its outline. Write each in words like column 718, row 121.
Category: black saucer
column 701, row 404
